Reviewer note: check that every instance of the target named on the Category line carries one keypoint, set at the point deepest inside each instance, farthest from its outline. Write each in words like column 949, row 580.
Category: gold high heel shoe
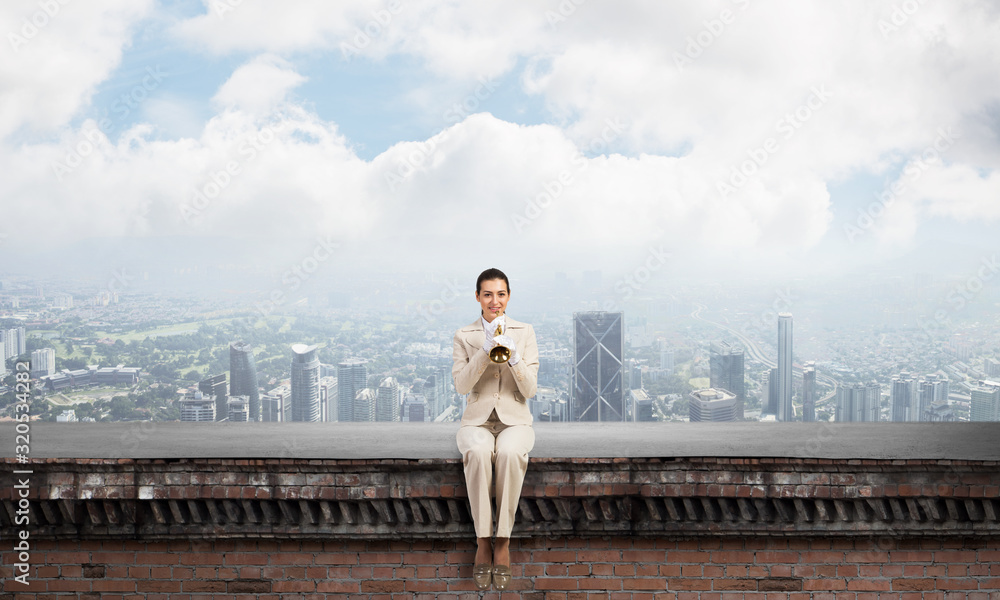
column 481, row 576
column 501, row 576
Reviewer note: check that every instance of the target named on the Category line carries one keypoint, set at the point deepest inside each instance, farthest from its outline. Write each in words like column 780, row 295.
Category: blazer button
column 497, row 375
column 496, row 395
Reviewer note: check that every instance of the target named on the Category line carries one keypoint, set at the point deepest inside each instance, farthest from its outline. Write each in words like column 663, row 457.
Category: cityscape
column 664, row 354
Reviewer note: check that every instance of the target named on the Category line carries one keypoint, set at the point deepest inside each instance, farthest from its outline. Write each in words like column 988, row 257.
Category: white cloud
column 258, row 86
column 820, row 90
column 55, row 53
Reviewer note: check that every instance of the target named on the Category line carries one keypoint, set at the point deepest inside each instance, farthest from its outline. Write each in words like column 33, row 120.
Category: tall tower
column 809, row 392
column 216, row 386
column 305, row 383
column 243, row 376
column 598, row 342
column 985, row 405
column 785, row 367
column 904, row 399
column 725, row 366
column 364, row 405
column 352, row 376
column 387, row 400
column 769, row 392
column 43, row 362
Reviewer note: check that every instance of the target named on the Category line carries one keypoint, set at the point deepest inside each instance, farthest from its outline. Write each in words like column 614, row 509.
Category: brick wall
column 618, row 528
column 560, row 567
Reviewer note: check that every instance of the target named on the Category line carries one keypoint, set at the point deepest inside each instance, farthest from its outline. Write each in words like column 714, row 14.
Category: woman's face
column 493, row 296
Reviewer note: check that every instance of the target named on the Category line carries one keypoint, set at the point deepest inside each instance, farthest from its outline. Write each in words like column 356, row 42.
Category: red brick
column 912, row 584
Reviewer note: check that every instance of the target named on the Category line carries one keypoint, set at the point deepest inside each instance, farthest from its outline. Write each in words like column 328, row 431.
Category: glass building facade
column 243, row 376
column 598, row 342
column 305, row 383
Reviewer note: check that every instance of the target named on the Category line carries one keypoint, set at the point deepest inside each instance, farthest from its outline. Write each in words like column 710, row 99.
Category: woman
column 496, row 433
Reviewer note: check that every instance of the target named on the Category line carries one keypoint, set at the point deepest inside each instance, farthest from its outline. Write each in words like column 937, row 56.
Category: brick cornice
column 425, row 498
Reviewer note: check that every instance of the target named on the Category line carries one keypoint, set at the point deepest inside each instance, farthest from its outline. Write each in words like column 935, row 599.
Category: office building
column 327, row 396
column 712, row 405
column 243, row 376
column 352, row 376
column 429, row 389
column 725, row 366
column 769, row 392
column 238, row 409
column 43, row 363
column 216, row 386
column 387, row 400
column 809, row 392
column 904, row 399
column 414, row 408
column 14, row 342
column 274, row 405
column 641, row 406
column 364, row 405
column 548, row 405
column 992, row 368
column 666, row 358
column 597, row 390
column 634, row 374
column 197, row 407
column 858, row 403
column 784, row 408
column 985, row 401
column 932, row 389
column 305, row 383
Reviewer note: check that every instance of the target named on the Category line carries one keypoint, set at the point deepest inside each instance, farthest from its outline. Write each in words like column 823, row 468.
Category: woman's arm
column 526, row 370
column 467, row 369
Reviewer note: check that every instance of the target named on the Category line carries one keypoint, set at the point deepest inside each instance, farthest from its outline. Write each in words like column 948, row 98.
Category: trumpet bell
column 499, row 354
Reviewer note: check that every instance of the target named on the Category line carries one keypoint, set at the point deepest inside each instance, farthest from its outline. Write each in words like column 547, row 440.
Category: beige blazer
column 492, row 386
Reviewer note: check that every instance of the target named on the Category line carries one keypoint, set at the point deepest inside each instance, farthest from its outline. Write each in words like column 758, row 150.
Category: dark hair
column 488, row 275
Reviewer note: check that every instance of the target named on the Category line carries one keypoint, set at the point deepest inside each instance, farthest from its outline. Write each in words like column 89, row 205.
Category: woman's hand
column 508, row 342
column 488, row 343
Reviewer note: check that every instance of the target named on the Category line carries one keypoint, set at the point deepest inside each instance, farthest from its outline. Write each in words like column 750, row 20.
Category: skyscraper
column 904, row 399
column 243, row 376
column 430, row 392
column 666, row 358
column 216, row 386
column 769, row 392
column 933, row 390
column 725, row 365
column 364, row 405
column 305, row 383
column 634, row 374
column 352, row 376
column 414, row 408
column 43, row 362
column 387, row 400
column 809, row 392
column 237, row 409
column 784, row 408
column 196, row 406
column 985, row 402
column 858, row 403
column 598, row 342
column 712, row 405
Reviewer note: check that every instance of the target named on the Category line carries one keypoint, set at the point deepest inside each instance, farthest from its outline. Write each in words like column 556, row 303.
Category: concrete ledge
column 155, row 440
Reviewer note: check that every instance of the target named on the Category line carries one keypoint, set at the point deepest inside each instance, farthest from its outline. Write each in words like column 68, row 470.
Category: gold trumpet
column 499, row 354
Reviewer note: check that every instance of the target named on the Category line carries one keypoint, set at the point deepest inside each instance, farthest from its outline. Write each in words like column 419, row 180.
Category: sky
column 737, row 135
